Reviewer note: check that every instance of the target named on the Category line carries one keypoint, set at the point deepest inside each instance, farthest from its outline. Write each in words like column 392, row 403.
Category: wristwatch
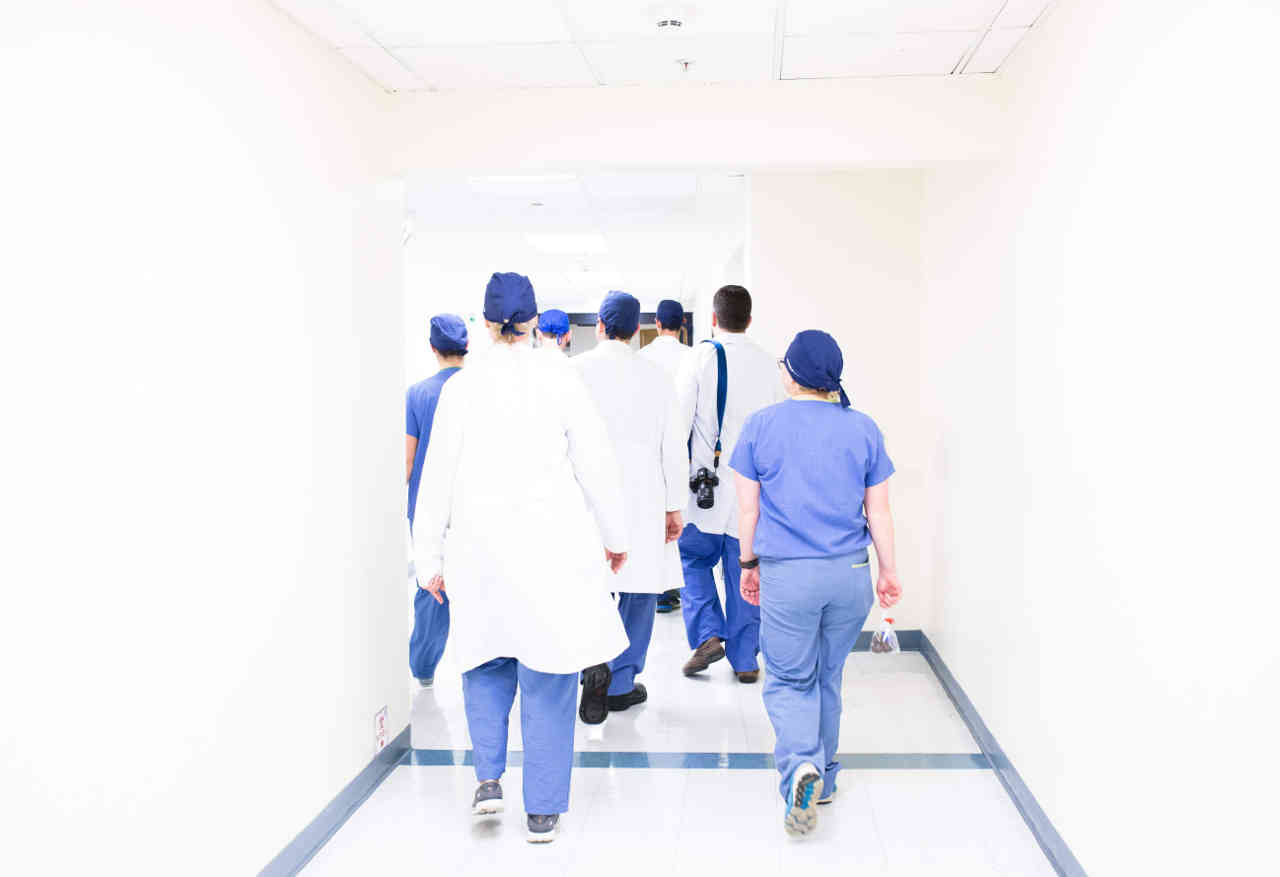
column 748, row 564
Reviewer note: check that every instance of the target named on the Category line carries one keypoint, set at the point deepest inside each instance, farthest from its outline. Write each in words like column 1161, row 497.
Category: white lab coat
column 668, row 353
column 753, row 383
column 520, row 496
column 637, row 402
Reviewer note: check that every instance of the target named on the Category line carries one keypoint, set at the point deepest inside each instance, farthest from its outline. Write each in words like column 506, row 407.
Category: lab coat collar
column 614, row 345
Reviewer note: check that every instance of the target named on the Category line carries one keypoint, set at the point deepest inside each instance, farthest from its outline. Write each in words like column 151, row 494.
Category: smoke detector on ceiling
column 671, row 18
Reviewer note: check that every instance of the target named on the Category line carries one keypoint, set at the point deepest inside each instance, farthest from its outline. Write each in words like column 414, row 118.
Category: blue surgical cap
column 553, row 322
column 508, row 299
column 670, row 314
column 620, row 314
column 814, row 361
column 448, row 334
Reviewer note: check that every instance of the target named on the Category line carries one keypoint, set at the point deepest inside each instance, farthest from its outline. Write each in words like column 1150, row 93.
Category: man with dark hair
column 732, row 307
column 711, row 535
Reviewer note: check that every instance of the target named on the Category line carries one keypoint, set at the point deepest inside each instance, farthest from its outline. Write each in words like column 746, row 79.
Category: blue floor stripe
column 718, row 760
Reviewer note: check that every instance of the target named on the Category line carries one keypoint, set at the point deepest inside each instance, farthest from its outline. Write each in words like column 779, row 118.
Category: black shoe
column 542, row 829
column 620, row 702
column 669, row 602
column 595, row 694
column 705, row 655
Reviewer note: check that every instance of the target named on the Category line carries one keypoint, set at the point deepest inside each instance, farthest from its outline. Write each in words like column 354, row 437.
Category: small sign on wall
column 380, row 729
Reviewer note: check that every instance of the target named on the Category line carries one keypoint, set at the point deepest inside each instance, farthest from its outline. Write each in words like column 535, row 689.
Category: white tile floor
column 892, row 703
column 650, row 820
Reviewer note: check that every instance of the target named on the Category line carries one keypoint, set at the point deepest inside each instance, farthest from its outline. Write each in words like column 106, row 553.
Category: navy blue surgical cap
column 670, row 314
column 620, row 314
column 553, row 322
column 814, row 361
column 508, row 299
column 448, row 334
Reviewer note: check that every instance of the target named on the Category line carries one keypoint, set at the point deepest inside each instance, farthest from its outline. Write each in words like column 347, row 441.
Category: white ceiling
column 656, row 235
column 410, row 45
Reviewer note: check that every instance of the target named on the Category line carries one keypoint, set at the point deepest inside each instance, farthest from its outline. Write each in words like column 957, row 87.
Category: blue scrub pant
column 430, row 633
column 638, row 612
column 739, row 623
column 548, row 713
column 811, row 610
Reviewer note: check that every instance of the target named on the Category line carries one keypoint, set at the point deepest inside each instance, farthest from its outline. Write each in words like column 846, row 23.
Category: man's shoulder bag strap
column 722, row 391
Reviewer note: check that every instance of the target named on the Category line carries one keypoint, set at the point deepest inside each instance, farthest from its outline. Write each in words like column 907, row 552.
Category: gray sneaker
column 801, row 816
column 488, row 799
column 542, row 829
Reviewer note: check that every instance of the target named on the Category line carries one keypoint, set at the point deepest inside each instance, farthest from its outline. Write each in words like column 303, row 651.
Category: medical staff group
column 610, row 463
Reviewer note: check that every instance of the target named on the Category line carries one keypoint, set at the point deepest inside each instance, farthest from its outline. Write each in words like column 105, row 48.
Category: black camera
column 704, row 485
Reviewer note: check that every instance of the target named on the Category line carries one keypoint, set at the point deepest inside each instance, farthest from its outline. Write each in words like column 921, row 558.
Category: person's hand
column 616, row 559
column 675, row 525
column 435, row 587
column 888, row 588
column 749, row 586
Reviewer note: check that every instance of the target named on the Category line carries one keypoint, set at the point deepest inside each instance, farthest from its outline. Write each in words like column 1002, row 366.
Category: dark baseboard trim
column 302, row 848
column 1054, row 847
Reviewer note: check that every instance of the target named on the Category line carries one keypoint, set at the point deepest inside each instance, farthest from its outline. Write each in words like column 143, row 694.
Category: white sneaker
column 801, row 816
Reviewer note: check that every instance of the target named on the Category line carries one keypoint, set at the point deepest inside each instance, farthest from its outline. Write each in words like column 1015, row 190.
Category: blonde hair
column 795, row 388
column 495, row 332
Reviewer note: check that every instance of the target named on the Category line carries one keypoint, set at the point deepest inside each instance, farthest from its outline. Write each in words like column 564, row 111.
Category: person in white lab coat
column 553, row 331
column 521, row 468
column 637, row 401
column 711, row 534
column 668, row 352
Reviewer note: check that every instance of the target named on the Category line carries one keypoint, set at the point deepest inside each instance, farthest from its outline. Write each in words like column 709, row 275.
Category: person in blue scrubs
column 553, row 330
column 430, row 618
column 812, row 480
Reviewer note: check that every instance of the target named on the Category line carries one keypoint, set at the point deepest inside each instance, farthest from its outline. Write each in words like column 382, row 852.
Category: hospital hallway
column 684, row 784
column 1017, row 257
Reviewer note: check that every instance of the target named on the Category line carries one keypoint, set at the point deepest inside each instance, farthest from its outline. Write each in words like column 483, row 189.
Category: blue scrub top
column 419, row 412
column 814, row 461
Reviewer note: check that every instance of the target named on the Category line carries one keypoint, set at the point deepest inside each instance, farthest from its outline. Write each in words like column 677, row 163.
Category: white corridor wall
column 841, row 252
column 203, row 463
column 1100, row 363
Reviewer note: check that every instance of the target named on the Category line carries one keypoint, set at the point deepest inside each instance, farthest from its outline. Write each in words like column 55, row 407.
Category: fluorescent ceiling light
column 567, row 244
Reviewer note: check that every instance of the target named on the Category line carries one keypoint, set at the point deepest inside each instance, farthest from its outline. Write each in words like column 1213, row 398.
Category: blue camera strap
column 722, row 391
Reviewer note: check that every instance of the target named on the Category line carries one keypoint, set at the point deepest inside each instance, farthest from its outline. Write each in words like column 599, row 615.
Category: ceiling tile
column 903, row 54
column 608, row 186
column 1021, row 13
column 715, row 59
column 995, row 47
column 328, row 21
column 818, row 17
column 598, row 21
column 448, row 67
column 385, row 69
column 469, row 22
